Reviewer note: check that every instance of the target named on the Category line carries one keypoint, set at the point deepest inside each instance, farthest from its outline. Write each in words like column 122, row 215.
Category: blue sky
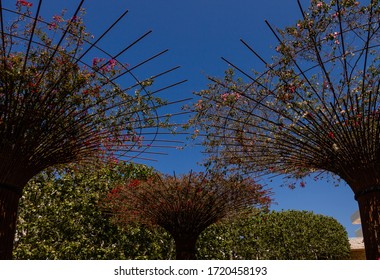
column 198, row 33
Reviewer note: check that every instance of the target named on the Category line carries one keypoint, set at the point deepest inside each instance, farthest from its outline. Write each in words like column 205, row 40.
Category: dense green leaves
column 287, row 235
column 60, row 218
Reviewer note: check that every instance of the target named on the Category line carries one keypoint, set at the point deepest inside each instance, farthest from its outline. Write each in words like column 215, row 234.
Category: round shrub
column 286, row 235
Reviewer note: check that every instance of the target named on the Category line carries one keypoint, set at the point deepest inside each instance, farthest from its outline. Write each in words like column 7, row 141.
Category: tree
column 184, row 206
column 57, row 107
column 285, row 235
column 314, row 109
column 59, row 218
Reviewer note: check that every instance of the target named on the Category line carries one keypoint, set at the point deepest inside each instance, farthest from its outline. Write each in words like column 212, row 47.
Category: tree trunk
column 185, row 247
column 9, row 199
column 369, row 207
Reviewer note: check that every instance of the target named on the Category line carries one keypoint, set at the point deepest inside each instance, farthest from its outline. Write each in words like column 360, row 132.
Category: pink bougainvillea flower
column 24, row 3
column 112, row 63
column 58, row 18
column 96, row 61
column 52, row 25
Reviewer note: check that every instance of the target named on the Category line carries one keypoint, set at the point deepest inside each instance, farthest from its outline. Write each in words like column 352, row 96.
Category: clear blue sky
column 198, row 33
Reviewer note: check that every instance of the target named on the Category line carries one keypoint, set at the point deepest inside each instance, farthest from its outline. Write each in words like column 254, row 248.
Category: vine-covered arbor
column 314, row 109
column 59, row 104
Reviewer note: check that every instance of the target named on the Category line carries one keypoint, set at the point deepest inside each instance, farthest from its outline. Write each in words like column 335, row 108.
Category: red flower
column 290, row 88
column 134, row 183
column 52, row 25
column 24, row 3
column 331, row 135
column 115, row 190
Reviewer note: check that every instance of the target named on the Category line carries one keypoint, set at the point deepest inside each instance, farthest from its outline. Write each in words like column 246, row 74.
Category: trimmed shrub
column 286, row 235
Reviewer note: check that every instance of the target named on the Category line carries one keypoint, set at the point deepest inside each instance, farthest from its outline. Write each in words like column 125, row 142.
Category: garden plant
column 313, row 111
column 185, row 206
column 59, row 105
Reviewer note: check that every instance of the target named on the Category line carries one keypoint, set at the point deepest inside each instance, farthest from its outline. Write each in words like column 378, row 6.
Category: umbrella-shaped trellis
column 59, row 105
column 314, row 109
column 185, row 206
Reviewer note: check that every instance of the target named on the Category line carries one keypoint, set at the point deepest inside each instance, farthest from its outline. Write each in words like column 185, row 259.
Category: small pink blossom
column 96, row 61
column 112, row 63
column 58, row 18
column 52, row 25
column 233, row 96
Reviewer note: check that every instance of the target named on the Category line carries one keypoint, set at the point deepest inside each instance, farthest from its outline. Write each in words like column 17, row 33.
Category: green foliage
column 287, row 235
column 59, row 218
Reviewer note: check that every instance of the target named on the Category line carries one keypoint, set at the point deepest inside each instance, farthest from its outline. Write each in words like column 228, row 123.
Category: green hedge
column 59, row 218
column 286, row 235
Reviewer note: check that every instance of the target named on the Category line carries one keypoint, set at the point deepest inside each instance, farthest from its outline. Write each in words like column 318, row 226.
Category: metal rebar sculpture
column 314, row 109
column 185, row 206
column 59, row 105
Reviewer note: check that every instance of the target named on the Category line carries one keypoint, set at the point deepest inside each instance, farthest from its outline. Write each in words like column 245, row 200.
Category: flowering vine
column 314, row 108
column 186, row 205
column 56, row 107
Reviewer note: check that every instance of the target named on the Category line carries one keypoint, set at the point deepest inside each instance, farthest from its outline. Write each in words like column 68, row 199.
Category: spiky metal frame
column 28, row 147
